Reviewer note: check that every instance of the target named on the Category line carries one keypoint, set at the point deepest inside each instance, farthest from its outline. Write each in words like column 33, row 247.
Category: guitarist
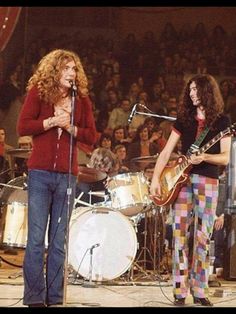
column 201, row 106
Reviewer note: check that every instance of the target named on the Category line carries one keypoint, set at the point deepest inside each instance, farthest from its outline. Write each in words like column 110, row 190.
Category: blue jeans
column 47, row 197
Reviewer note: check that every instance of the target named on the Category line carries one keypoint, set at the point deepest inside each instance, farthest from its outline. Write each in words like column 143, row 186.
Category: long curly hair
column 210, row 96
column 48, row 72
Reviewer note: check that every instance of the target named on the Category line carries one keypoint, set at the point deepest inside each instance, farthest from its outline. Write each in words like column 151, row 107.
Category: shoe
column 56, row 305
column 202, row 301
column 37, row 305
column 179, row 302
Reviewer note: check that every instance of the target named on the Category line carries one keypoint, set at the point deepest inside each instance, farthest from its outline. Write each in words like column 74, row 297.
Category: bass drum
column 102, row 243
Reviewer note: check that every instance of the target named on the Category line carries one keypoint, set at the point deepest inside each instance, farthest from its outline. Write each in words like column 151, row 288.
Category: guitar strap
column 195, row 146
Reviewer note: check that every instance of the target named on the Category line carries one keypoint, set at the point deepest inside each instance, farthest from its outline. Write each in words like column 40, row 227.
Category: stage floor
column 146, row 289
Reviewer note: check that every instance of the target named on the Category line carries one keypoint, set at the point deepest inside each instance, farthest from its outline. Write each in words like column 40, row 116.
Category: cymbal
column 90, row 175
column 145, row 159
column 19, row 152
column 153, row 158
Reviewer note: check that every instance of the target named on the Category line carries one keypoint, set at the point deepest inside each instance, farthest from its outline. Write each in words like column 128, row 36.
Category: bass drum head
column 114, row 236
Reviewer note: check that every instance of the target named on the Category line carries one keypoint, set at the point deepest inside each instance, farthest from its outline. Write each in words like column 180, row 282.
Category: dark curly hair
column 211, row 99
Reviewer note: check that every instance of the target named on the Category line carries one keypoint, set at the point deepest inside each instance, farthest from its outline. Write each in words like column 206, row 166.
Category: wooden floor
column 145, row 288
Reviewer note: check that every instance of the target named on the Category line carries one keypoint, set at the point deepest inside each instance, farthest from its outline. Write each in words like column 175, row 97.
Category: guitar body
column 172, row 179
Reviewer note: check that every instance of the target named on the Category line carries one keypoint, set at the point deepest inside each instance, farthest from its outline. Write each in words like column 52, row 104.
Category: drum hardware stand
column 90, row 283
column 145, row 250
column 157, row 243
column 99, row 194
column 77, row 200
column 12, row 186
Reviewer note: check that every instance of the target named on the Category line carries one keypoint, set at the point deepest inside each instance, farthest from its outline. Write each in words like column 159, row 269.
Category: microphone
column 94, row 246
column 73, row 86
column 132, row 113
column 141, row 105
column 144, row 107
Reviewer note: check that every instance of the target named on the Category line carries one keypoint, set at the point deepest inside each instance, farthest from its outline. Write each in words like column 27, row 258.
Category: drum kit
column 103, row 237
column 126, row 230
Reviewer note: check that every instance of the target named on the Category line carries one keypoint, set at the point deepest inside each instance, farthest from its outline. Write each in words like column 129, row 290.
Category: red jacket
column 49, row 152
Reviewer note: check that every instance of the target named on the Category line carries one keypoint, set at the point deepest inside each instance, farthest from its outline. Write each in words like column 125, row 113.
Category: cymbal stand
column 157, row 243
column 144, row 251
column 154, row 273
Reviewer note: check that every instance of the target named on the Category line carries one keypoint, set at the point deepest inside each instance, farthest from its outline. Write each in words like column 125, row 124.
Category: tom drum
column 129, row 193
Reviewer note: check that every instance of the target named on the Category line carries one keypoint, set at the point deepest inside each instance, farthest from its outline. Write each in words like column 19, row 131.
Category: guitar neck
column 184, row 161
column 212, row 142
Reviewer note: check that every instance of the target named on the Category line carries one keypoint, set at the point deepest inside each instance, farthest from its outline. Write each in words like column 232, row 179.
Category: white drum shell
column 15, row 226
column 129, row 193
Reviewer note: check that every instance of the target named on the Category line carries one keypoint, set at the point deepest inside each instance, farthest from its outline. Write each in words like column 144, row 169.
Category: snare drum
column 106, row 234
column 129, row 193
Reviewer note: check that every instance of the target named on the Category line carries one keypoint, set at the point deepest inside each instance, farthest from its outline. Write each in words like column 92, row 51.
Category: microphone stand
column 90, row 283
column 69, row 192
column 156, row 115
column 150, row 113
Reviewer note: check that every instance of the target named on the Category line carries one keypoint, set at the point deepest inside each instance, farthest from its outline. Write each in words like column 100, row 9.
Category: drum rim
column 15, row 202
column 126, row 174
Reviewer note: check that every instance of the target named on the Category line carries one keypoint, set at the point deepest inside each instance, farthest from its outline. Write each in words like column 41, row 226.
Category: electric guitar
column 173, row 177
